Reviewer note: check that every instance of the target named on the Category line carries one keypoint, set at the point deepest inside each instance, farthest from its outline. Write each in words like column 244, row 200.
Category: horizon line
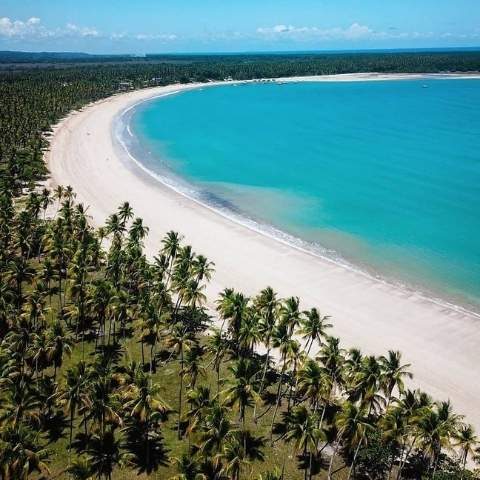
column 251, row 52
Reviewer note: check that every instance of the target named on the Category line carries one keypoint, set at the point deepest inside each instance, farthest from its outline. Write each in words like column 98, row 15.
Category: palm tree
column 290, row 314
column 352, row 365
column 242, row 389
column 21, row 453
column 223, row 303
column 59, row 344
column 366, row 384
column 288, row 347
column 302, row 429
column 199, row 401
column 353, row 425
column 19, row 271
column 144, row 443
column 240, row 450
column 181, row 340
column 171, row 245
column 125, row 213
column 193, row 367
column 80, row 469
column 20, row 402
column 34, row 307
column 38, row 353
column 217, row 348
column 395, row 430
column 58, row 195
column 411, row 406
column 48, row 275
column 313, row 328
column 141, row 398
column 313, row 383
column 393, row 373
column 436, row 426
column 192, row 293
column 466, row 441
column 214, row 429
column 115, row 226
column 138, row 231
column 104, row 452
column 233, row 307
column 75, row 383
column 100, row 404
column 266, row 304
column 331, row 357
column 187, row 467
column 202, row 269
column 249, row 334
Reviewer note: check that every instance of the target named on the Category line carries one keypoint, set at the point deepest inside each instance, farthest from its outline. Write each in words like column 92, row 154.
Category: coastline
column 440, row 341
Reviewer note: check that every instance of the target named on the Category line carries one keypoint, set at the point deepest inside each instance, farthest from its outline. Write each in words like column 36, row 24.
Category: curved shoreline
column 195, row 195
column 441, row 343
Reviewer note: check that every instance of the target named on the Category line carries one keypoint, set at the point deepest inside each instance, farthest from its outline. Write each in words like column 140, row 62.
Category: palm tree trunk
column 264, row 374
column 60, row 289
column 331, row 460
column 71, row 435
column 291, row 386
column 309, row 343
column 151, row 360
column 305, row 474
column 310, row 463
column 180, row 394
column 404, row 460
column 353, row 461
column 278, row 397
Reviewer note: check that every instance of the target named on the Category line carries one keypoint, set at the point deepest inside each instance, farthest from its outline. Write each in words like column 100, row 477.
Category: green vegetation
column 112, row 366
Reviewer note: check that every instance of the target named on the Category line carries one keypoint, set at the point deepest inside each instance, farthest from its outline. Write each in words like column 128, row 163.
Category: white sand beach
column 441, row 342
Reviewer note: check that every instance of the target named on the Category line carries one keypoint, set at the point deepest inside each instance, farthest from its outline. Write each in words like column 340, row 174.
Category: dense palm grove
column 113, row 365
column 124, row 321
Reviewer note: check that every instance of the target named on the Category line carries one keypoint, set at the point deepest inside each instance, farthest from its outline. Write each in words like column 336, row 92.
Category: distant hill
column 205, row 66
column 12, row 57
column 41, row 57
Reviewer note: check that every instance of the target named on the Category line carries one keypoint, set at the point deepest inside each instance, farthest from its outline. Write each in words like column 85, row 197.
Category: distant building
column 123, row 86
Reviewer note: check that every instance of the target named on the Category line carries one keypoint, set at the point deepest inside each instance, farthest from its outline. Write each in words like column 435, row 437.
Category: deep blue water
column 386, row 174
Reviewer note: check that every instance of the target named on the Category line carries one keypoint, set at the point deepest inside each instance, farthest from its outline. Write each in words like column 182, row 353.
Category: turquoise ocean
column 384, row 175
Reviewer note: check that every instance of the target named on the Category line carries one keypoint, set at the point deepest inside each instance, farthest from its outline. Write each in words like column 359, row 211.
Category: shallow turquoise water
column 386, row 174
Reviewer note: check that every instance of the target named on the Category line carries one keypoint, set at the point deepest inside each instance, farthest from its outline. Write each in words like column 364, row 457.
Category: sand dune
column 440, row 341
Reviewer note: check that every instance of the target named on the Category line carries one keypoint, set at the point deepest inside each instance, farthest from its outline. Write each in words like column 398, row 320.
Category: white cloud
column 18, row 28
column 33, row 29
column 355, row 31
column 74, row 30
column 159, row 36
column 118, row 36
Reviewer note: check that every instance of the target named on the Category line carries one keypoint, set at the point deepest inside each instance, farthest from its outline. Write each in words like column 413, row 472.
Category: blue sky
column 148, row 26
